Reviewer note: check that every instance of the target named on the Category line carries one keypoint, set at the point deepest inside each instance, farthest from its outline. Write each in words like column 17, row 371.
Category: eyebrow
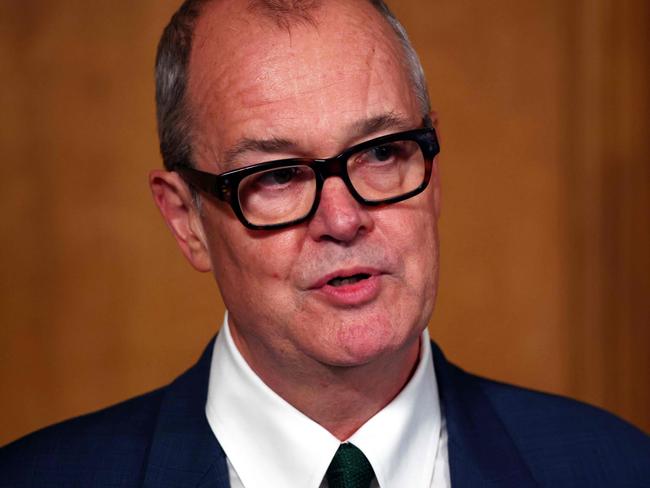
column 389, row 120
column 357, row 130
column 272, row 145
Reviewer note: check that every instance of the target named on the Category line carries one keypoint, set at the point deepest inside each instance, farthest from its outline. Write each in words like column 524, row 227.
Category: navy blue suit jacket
column 499, row 435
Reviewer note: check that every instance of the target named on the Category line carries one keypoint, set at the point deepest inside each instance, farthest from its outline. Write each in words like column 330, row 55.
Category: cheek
column 415, row 238
column 413, row 229
column 422, row 272
column 272, row 256
column 257, row 262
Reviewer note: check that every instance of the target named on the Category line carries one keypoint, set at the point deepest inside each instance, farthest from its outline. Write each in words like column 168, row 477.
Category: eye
column 277, row 177
column 277, row 180
column 382, row 153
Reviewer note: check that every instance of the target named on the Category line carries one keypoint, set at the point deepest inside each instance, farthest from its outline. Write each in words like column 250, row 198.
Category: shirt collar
column 270, row 443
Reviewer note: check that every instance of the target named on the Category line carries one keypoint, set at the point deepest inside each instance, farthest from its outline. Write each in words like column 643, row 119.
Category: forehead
column 250, row 78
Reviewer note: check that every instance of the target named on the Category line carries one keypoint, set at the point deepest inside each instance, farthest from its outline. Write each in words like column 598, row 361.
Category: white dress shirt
column 269, row 443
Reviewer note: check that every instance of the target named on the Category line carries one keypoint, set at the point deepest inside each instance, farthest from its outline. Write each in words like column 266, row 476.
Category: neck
column 340, row 399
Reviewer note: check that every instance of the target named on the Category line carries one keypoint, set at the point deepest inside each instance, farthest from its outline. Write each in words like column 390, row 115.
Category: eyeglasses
column 282, row 193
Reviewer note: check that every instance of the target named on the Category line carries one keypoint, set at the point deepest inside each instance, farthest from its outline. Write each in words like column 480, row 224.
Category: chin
column 359, row 342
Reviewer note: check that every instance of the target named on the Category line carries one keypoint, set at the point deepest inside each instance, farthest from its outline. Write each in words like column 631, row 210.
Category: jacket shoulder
column 563, row 439
column 104, row 448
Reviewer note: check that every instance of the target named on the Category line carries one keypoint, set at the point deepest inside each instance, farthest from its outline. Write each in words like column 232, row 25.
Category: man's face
column 317, row 88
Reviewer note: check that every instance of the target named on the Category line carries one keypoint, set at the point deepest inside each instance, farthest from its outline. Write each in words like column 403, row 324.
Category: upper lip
column 344, row 273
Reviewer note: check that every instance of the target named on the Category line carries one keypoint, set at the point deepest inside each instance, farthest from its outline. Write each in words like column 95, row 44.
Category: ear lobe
column 174, row 200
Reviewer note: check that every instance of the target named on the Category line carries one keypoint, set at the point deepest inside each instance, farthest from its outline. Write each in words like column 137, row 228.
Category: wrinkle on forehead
column 372, row 58
column 280, row 77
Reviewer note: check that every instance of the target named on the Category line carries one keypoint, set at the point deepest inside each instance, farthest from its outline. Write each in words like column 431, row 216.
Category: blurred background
column 545, row 228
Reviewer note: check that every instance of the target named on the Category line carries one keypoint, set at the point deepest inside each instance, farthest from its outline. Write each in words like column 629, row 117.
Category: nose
column 339, row 217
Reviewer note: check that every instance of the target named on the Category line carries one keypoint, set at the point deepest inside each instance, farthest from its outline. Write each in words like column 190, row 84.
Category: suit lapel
column 184, row 451
column 481, row 452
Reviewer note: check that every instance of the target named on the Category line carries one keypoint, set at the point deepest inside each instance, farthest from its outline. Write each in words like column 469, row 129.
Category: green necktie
column 349, row 469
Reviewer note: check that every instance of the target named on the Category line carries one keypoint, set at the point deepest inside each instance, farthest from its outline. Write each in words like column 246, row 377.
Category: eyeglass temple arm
column 209, row 183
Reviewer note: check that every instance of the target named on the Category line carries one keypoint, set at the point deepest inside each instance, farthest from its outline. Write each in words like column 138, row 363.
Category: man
column 300, row 170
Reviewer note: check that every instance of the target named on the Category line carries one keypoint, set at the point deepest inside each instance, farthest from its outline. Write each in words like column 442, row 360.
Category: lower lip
column 357, row 293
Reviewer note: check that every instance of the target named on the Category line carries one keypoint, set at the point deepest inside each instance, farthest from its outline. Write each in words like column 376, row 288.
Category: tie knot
column 349, row 468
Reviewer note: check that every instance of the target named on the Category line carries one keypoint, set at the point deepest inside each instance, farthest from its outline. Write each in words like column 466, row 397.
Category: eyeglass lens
column 387, row 171
column 277, row 195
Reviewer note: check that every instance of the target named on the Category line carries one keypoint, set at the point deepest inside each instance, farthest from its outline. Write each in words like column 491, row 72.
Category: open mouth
column 348, row 280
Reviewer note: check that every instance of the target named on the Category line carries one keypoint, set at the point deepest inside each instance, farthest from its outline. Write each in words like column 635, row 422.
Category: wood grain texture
column 546, row 201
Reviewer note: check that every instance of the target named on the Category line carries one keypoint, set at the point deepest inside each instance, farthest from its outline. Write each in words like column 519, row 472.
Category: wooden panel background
column 546, row 202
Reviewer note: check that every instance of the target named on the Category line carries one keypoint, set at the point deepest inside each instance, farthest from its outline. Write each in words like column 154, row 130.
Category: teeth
column 348, row 280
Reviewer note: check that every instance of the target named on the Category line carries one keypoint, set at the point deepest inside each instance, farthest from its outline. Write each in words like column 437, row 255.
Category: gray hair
column 172, row 64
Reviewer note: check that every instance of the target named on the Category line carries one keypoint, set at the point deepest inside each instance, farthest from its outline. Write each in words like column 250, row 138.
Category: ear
column 435, row 177
column 174, row 200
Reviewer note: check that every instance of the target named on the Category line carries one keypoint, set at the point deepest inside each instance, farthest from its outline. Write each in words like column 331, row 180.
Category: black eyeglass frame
column 225, row 186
